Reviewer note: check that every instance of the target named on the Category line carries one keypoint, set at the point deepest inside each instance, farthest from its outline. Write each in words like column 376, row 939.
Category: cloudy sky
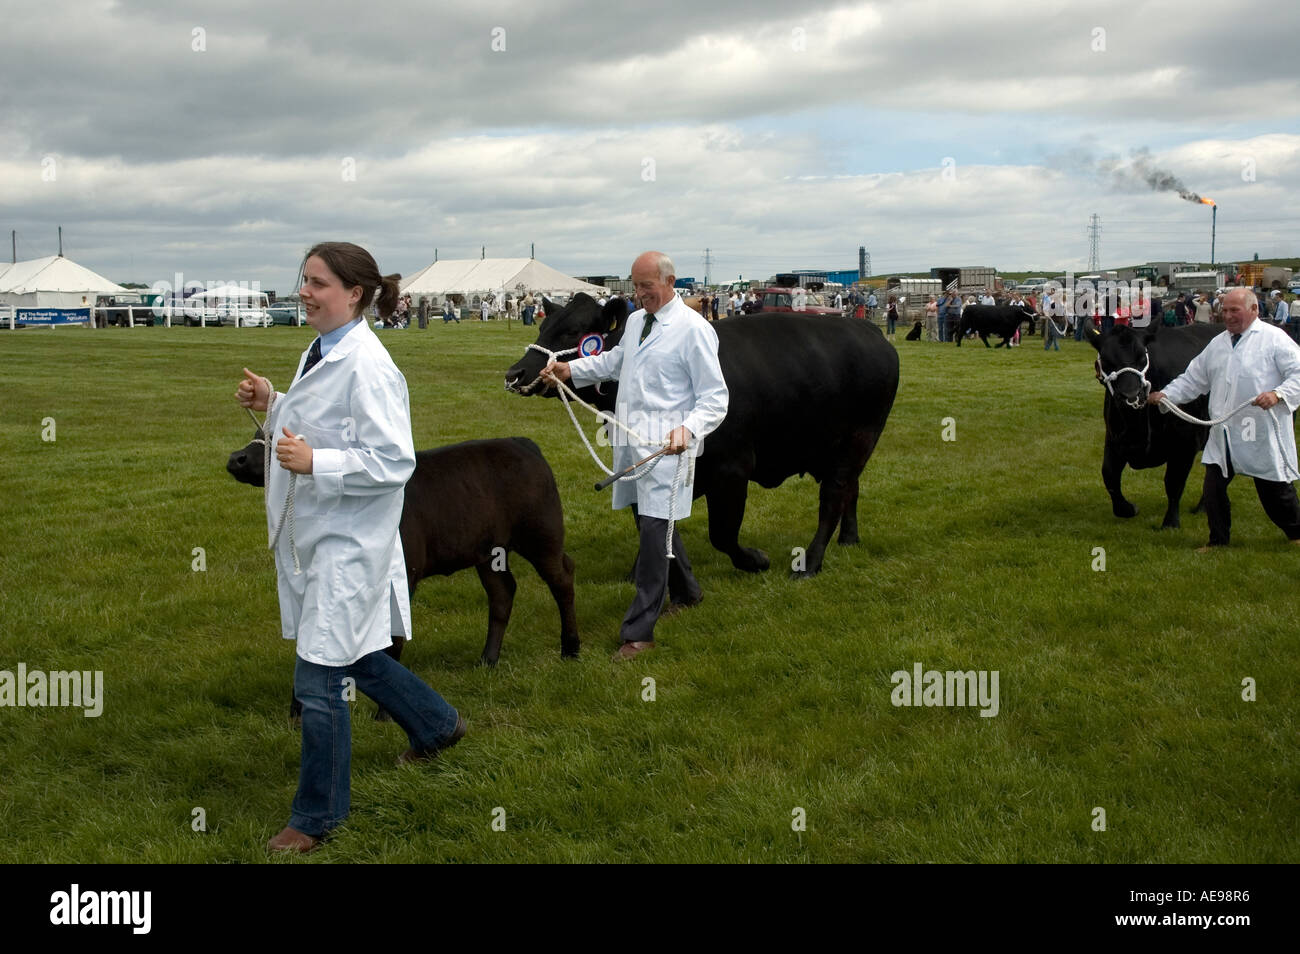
column 219, row 140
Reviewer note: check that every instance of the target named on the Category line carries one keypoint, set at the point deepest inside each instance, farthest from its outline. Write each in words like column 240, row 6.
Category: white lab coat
column 1265, row 359
column 671, row 379
column 353, row 409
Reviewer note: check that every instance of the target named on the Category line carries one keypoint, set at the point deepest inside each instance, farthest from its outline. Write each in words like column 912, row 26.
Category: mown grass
column 1120, row 689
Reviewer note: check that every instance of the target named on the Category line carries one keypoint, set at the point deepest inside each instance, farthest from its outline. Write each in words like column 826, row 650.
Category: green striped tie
column 645, row 329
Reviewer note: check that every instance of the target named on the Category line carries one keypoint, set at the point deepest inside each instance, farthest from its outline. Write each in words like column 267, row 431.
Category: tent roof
column 54, row 273
column 468, row 275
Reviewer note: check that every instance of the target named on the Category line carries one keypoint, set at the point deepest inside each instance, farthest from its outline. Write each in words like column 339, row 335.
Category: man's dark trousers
column 1277, row 496
column 654, row 574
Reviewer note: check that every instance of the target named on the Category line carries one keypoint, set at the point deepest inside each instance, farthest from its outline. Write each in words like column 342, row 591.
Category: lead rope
column 566, row 395
column 1274, row 433
column 287, row 511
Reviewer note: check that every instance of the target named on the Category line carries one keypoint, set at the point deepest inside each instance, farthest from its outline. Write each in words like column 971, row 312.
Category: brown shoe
column 291, row 839
column 410, row 755
column 632, row 649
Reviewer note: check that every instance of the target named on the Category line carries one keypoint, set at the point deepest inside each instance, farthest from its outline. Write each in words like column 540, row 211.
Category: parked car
column 1034, row 286
column 286, row 312
column 122, row 310
column 786, row 299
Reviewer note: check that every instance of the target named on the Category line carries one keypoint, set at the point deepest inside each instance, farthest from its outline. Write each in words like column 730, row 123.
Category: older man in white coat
column 670, row 391
column 1252, row 359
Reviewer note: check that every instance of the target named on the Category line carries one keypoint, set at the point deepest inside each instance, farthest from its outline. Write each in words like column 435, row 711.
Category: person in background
column 891, row 316
column 954, row 315
column 1052, row 332
column 931, row 320
column 1204, row 313
column 1281, row 310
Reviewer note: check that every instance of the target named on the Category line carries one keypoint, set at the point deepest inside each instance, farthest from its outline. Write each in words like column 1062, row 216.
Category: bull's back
column 1173, row 349
column 800, row 385
column 464, row 499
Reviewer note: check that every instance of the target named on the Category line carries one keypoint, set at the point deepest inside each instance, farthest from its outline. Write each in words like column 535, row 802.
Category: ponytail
column 387, row 294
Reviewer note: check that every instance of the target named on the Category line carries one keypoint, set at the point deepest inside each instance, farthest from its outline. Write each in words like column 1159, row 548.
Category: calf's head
column 581, row 323
column 248, row 464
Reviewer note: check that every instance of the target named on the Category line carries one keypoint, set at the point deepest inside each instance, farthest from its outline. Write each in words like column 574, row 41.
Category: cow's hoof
column 1174, row 524
column 381, row 715
column 1124, row 509
column 848, row 540
column 751, row 560
column 569, row 650
column 486, row 660
column 804, row 574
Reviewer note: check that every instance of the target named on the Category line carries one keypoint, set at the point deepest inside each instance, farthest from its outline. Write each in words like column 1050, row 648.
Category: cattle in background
column 1132, row 364
column 469, row 505
column 808, row 394
column 987, row 320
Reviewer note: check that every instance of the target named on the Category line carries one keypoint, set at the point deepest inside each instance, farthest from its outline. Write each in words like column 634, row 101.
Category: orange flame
column 1205, row 201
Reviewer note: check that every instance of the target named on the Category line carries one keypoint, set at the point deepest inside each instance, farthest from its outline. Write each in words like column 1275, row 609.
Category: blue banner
column 51, row 316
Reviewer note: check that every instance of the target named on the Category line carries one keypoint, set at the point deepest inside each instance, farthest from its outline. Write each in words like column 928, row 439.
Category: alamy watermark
column 923, row 687
column 180, row 296
column 36, row 688
column 76, row 906
column 1087, row 297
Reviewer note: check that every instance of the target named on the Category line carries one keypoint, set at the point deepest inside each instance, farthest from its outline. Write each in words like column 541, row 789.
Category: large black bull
column 808, row 394
column 1132, row 364
column 987, row 320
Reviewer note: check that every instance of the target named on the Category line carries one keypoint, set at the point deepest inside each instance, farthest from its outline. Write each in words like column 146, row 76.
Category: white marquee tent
column 475, row 276
column 53, row 282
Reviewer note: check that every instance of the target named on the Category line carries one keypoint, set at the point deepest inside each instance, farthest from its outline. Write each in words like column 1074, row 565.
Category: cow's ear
column 613, row 315
column 549, row 306
column 1094, row 338
column 1152, row 331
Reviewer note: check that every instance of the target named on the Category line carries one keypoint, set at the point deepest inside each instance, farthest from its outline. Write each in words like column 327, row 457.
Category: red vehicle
column 794, row 299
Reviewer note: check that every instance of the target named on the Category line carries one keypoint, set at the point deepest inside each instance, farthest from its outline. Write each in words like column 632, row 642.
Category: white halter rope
column 287, row 511
column 567, row 394
column 1060, row 329
column 1274, row 434
column 1109, row 380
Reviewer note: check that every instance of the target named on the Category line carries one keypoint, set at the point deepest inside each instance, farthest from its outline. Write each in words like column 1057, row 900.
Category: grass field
column 1120, row 688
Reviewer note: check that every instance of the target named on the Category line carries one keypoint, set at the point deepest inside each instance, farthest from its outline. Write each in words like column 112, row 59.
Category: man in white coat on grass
column 1252, row 359
column 670, row 391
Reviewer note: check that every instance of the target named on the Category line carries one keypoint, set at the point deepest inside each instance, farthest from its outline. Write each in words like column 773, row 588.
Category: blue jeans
column 325, row 777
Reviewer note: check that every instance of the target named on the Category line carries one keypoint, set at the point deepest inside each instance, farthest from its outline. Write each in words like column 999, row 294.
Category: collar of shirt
column 331, row 338
column 664, row 315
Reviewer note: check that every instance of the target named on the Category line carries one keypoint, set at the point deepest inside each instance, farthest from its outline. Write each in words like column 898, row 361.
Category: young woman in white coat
column 343, row 431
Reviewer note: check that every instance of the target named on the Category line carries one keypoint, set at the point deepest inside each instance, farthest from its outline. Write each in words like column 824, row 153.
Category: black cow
column 987, row 320
column 467, row 505
column 808, row 394
column 1133, row 364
